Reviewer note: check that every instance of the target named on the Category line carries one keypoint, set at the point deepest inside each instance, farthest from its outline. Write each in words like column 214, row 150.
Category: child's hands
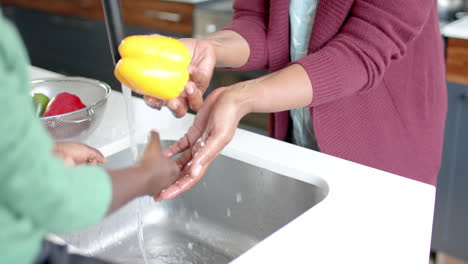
column 163, row 171
column 73, row 153
column 150, row 176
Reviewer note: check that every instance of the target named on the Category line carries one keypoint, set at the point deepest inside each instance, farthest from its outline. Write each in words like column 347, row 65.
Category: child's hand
column 73, row 153
column 163, row 171
column 153, row 174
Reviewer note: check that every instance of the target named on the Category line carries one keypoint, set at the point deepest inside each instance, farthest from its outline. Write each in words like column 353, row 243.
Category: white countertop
column 456, row 29
column 368, row 216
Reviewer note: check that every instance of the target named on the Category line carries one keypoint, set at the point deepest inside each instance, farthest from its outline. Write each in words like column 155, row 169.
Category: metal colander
column 77, row 125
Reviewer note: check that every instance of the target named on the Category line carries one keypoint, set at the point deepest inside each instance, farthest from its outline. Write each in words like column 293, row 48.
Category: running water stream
column 127, row 95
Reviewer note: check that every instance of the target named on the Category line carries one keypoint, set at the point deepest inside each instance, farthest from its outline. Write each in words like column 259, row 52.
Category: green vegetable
column 40, row 103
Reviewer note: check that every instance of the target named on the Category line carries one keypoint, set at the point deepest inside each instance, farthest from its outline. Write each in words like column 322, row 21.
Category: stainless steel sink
column 235, row 206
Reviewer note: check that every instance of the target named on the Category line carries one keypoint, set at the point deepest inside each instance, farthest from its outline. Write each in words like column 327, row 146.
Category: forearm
column 286, row 89
column 128, row 184
column 231, row 49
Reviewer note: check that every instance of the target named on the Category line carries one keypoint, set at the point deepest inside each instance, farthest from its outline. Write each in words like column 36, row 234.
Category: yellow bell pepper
column 153, row 65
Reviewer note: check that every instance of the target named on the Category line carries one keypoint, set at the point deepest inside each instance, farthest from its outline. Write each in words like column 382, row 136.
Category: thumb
column 154, row 145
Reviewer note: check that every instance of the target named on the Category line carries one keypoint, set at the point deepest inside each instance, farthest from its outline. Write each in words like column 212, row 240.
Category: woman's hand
column 217, row 120
column 73, row 153
column 213, row 128
column 202, row 64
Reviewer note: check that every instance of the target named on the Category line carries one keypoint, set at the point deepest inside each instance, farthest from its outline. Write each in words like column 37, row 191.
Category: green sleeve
column 34, row 183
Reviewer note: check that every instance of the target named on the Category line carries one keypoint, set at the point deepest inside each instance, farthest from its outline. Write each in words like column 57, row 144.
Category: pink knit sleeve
column 250, row 22
column 375, row 34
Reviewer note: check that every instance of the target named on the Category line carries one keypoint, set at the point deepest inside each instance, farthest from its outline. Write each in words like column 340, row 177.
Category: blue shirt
column 302, row 14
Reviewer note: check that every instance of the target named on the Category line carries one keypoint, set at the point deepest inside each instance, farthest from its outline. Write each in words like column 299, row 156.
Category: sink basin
column 235, row 206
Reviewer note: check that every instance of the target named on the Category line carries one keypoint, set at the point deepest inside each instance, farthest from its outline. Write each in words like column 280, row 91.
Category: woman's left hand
column 213, row 128
column 73, row 153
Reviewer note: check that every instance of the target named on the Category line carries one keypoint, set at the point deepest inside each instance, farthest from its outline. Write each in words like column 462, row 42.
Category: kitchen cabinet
column 169, row 17
column 165, row 16
column 457, row 60
column 450, row 229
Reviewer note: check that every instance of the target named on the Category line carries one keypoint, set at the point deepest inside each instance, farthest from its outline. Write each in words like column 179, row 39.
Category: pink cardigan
column 377, row 71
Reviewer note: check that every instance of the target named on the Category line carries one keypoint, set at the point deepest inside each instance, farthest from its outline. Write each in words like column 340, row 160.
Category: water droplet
column 187, row 226
column 190, row 245
column 195, row 214
column 239, row 197
column 228, row 212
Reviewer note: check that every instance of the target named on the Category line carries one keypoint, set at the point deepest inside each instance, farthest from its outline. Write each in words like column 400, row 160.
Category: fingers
column 197, row 167
column 174, row 170
column 184, row 143
column 154, row 145
column 94, row 156
column 178, row 106
column 180, row 186
column 178, row 147
column 207, row 153
column 194, row 96
column 183, row 162
column 202, row 82
column 154, row 102
column 74, row 153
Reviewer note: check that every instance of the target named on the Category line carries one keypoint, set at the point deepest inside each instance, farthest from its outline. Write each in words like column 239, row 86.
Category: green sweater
column 38, row 194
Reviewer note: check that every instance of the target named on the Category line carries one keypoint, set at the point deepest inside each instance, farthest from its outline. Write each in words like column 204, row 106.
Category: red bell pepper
column 63, row 103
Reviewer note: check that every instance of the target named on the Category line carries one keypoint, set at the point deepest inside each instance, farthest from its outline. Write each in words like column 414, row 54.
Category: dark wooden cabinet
column 173, row 17
column 457, row 60
column 77, row 8
column 450, row 232
column 163, row 16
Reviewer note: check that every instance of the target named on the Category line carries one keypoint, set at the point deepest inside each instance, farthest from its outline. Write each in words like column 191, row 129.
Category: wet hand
column 73, row 153
column 202, row 64
column 162, row 171
column 213, row 128
column 152, row 173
